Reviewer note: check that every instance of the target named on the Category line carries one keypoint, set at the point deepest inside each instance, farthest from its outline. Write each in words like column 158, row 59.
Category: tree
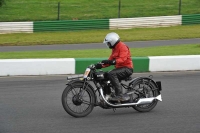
column 2, row 2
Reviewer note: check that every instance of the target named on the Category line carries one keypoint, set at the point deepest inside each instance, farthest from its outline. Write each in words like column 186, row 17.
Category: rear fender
column 157, row 83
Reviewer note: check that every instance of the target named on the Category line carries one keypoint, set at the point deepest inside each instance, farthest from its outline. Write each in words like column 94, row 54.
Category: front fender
column 79, row 81
column 75, row 81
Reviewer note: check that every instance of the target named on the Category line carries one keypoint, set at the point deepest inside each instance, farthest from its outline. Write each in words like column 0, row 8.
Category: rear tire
column 147, row 89
column 73, row 105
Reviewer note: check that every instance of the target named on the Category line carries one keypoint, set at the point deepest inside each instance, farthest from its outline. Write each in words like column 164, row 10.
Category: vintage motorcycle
column 93, row 88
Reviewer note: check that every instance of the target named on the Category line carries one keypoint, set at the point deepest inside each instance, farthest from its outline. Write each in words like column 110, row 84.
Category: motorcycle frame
column 100, row 90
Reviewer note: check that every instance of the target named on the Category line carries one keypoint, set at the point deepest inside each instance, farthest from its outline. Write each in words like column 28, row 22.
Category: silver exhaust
column 140, row 101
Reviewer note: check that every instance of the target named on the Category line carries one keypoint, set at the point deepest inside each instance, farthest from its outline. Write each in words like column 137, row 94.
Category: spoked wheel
column 145, row 89
column 76, row 101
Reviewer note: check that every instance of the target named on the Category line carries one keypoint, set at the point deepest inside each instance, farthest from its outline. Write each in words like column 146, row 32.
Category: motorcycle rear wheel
column 75, row 106
column 147, row 90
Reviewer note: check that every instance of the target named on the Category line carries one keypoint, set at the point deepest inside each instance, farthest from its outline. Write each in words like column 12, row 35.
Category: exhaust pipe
column 148, row 100
column 140, row 101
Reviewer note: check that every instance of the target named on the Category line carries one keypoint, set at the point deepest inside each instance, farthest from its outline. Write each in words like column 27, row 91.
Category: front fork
column 82, row 91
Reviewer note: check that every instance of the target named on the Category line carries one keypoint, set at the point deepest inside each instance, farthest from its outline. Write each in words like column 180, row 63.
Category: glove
column 109, row 62
column 98, row 66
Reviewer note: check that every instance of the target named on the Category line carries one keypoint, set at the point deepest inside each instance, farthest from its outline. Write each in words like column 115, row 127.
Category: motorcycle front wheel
column 76, row 101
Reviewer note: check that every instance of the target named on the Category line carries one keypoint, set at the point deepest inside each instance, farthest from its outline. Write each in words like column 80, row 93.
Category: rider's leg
column 112, row 75
column 115, row 75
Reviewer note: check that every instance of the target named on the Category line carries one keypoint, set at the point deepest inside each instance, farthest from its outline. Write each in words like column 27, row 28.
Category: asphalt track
column 135, row 44
column 32, row 104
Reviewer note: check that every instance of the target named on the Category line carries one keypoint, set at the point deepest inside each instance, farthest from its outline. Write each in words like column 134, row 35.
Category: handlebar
column 92, row 66
column 74, row 77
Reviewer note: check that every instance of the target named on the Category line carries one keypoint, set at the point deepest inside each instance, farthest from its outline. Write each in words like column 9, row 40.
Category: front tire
column 75, row 106
column 145, row 89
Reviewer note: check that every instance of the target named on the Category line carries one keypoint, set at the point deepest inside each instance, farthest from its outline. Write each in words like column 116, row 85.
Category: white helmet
column 111, row 39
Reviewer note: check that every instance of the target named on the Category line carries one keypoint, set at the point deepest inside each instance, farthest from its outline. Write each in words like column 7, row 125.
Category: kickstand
column 114, row 109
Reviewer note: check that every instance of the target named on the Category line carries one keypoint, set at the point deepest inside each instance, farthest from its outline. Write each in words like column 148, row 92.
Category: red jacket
column 122, row 56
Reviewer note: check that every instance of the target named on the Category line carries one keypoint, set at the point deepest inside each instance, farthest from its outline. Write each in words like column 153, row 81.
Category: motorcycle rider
column 121, row 58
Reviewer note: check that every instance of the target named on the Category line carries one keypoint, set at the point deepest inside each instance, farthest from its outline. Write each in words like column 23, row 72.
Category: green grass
column 37, row 10
column 189, row 49
column 97, row 36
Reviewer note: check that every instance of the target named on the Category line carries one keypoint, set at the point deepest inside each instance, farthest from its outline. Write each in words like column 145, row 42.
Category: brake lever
column 101, row 63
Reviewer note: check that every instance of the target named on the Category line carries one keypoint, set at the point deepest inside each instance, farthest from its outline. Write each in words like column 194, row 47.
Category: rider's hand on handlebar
column 98, row 66
column 109, row 62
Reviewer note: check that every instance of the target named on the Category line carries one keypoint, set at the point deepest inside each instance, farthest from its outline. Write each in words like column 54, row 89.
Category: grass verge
column 37, row 10
column 97, row 36
column 189, row 49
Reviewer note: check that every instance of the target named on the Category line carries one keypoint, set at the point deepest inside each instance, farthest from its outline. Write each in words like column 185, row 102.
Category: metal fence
column 98, row 9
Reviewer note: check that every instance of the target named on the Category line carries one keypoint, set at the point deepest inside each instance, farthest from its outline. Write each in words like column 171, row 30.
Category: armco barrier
column 118, row 23
column 16, row 27
column 78, row 65
column 36, row 66
column 191, row 19
column 141, row 64
column 59, row 66
column 161, row 21
column 174, row 63
column 71, row 25
column 82, row 63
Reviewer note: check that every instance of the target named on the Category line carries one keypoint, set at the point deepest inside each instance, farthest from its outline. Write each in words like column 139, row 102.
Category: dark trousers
column 118, row 74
